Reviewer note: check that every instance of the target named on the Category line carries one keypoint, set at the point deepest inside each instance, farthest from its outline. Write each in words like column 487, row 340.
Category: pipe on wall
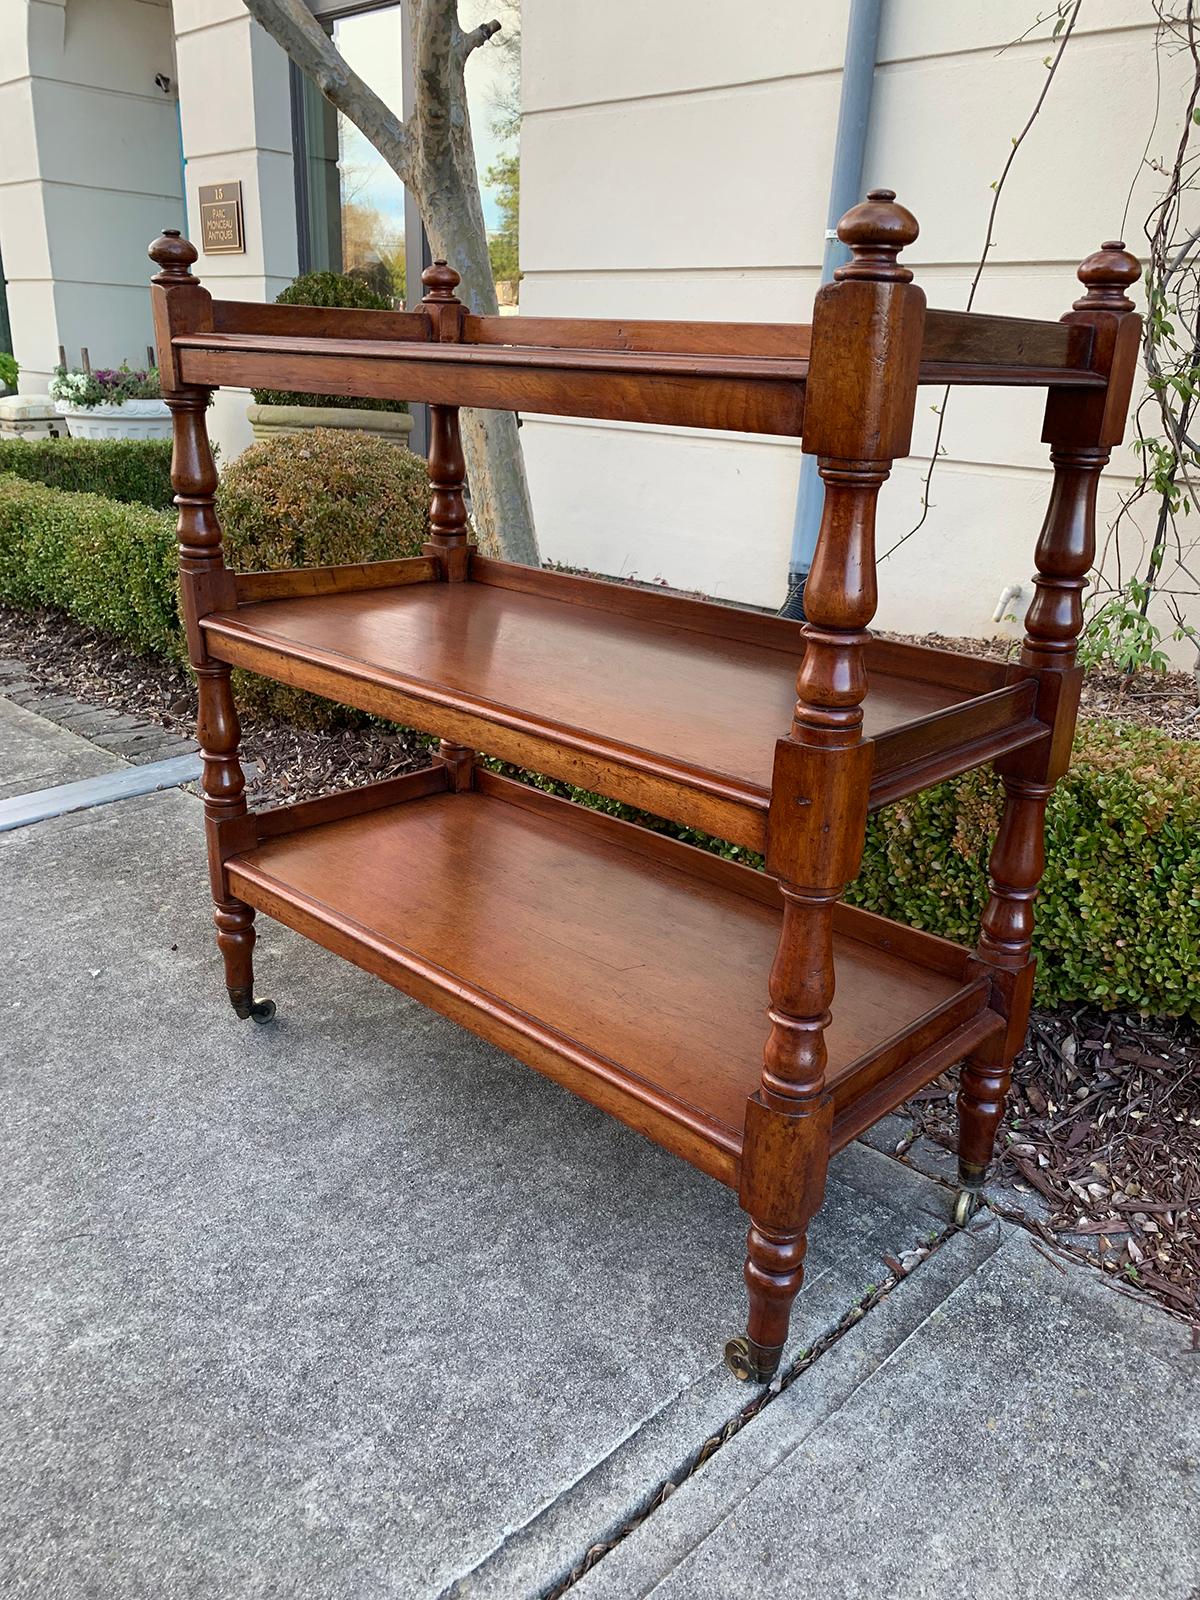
column 845, row 190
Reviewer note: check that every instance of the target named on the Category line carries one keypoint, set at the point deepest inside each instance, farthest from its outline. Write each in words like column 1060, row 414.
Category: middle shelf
column 663, row 702
column 625, row 965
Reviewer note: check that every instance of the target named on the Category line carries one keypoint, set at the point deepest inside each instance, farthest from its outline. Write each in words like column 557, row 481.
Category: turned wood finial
column 1106, row 274
column 877, row 231
column 174, row 256
column 440, row 282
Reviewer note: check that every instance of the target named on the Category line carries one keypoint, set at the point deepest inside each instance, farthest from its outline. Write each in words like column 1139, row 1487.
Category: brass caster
column 245, row 1005
column 751, row 1363
column 966, row 1203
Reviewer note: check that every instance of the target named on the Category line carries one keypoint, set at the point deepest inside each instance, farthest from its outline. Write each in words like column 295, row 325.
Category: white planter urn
column 268, row 422
column 132, row 419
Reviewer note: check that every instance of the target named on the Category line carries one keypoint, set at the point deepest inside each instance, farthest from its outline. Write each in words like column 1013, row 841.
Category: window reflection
column 352, row 203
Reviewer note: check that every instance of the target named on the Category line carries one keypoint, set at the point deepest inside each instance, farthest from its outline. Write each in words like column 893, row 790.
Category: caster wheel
column 262, row 1010
column 737, row 1358
column 742, row 1361
column 966, row 1203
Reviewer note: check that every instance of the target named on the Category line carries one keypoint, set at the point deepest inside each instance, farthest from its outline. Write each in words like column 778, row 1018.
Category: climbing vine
column 1152, row 549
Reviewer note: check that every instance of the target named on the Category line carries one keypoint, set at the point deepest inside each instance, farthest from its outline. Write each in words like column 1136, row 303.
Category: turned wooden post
column 182, row 305
column 447, row 466
column 1081, row 428
column 866, row 345
column 448, row 521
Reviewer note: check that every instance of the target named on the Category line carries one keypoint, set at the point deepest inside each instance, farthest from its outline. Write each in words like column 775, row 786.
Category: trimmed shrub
column 324, row 497
column 123, row 469
column 344, row 290
column 321, row 498
column 1118, row 917
column 109, row 564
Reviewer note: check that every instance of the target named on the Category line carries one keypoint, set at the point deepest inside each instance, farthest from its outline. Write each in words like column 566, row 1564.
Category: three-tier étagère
column 691, row 997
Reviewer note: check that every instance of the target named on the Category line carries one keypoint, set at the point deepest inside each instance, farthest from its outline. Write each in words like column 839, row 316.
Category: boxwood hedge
column 320, row 497
column 123, row 469
column 1118, row 916
column 108, row 564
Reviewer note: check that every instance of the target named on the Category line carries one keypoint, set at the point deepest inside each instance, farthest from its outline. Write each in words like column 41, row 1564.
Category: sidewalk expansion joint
column 898, row 1271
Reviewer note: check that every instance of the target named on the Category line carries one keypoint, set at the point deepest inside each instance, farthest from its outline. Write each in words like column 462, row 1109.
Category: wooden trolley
column 631, row 968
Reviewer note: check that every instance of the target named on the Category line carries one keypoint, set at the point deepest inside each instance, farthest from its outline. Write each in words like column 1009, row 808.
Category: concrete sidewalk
column 355, row 1306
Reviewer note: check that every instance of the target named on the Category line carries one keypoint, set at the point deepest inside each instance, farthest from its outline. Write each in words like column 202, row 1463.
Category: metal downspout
column 845, row 190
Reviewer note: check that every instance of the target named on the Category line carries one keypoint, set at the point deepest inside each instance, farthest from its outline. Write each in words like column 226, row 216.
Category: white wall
column 89, row 173
column 675, row 162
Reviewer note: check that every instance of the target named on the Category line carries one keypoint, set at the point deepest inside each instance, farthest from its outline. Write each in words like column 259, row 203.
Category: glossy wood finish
column 319, row 322
column 223, row 783
column 787, row 341
column 749, row 1022
column 558, row 684
column 590, row 952
column 861, row 411
column 744, row 394
column 291, row 583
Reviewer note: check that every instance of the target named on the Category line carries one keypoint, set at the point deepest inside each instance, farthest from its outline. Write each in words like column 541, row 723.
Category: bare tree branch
column 298, row 33
column 434, row 157
column 477, row 36
column 997, row 190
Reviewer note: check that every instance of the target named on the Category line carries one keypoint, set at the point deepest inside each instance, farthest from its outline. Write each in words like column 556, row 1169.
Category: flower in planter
column 105, row 386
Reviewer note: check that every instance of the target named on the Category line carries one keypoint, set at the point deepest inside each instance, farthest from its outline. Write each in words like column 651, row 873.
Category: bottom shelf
column 627, row 966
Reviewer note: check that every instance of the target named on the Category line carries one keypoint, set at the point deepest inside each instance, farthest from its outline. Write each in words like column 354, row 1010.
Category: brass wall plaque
column 221, row 230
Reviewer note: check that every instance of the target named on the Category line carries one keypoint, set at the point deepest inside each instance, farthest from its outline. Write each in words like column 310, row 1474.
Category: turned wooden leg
column 817, row 820
column 788, row 1127
column 982, row 1095
column 1006, row 947
column 459, row 760
column 774, row 1273
column 224, row 788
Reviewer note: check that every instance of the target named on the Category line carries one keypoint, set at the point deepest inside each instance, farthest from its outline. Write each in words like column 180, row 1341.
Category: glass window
column 371, row 195
column 494, row 102
column 350, row 204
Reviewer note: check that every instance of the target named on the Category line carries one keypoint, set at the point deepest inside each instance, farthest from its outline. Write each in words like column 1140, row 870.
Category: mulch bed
column 1104, row 1121
column 1103, row 1124
column 291, row 763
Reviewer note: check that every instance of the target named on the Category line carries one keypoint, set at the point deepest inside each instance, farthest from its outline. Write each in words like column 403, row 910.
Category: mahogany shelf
column 623, row 964
column 747, row 1021
column 666, row 703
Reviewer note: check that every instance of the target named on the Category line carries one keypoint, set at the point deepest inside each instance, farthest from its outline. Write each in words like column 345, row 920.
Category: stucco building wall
column 675, row 163
column 89, row 171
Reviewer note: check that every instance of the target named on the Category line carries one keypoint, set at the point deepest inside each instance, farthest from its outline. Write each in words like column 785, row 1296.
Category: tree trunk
column 432, row 155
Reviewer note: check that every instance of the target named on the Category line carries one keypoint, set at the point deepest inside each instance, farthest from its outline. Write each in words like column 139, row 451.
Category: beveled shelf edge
column 891, row 1091
column 705, row 1144
column 995, row 717
column 695, row 799
column 890, row 1072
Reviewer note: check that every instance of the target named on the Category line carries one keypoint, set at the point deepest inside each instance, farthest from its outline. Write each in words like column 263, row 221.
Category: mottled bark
column 433, row 156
